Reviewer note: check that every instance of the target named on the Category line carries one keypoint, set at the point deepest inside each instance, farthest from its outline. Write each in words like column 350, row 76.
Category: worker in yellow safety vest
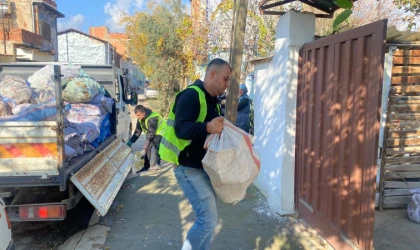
column 193, row 116
column 152, row 125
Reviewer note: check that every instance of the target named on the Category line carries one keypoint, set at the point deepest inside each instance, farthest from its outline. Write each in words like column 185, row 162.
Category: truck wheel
column 130, row 131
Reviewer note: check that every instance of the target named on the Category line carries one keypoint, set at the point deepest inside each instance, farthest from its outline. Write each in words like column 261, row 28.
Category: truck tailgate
column 101, row 178
column 28, row 149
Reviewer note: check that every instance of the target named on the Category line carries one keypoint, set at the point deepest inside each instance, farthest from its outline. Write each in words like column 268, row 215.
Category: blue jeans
column 198, row 189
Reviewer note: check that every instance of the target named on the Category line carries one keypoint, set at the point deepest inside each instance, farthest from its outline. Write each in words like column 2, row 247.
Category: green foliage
column 265, row 32
column 347, row 5
column 410, row 7
column 344, row 4
column 162, row 43
column 341, row 18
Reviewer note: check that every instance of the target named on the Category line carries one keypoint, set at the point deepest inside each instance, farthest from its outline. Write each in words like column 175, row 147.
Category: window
column 45, row 30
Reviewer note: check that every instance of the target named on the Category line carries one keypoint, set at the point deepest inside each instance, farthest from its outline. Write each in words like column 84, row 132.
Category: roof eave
column 50, row 8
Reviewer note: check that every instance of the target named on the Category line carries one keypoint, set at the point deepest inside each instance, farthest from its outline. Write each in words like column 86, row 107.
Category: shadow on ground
column 152, row 213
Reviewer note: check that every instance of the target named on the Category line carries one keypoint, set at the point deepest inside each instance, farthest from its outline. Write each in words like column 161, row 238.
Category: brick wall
column 99, row 32
column 120, row 46
column 118, row 40
column 21, row 36
column 21, row 15
column 118, row 36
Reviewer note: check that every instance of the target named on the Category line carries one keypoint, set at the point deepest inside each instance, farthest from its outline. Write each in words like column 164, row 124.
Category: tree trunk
column 238, row 49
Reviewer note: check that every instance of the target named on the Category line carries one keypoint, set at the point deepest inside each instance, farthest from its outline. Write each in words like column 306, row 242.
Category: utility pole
column 238, row 48
column 232, row 31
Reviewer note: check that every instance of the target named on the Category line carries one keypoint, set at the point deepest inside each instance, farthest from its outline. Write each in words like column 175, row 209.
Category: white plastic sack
column 42, row 95
column 231, row 163
column 44, row 77
column 413, row 208
column 41, row 82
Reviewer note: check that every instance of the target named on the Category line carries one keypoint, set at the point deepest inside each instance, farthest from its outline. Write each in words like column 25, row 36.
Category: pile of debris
column 87, row 105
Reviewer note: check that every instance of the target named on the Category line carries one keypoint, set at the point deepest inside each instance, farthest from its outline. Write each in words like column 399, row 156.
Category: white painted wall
column 275, row 110
column 77, row 48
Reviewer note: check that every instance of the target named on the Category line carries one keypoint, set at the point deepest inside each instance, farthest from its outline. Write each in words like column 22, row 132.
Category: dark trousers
column 155, row 158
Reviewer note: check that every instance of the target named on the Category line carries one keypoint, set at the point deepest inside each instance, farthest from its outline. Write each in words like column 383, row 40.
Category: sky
column 81, row 14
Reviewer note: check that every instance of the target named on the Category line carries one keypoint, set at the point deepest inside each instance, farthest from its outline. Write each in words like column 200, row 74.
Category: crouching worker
column 152, row 125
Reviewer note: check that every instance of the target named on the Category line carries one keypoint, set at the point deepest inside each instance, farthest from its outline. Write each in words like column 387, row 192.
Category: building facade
column 28, row 30
column 75, row 46
column 120, row 42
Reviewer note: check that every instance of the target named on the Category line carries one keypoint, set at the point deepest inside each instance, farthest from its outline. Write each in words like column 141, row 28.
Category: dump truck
column 36, row 181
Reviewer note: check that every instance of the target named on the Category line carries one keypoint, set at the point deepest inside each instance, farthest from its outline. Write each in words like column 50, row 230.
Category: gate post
column 275, row 111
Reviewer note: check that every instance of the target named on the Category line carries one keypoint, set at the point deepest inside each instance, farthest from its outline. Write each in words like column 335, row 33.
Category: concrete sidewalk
column 152, row 213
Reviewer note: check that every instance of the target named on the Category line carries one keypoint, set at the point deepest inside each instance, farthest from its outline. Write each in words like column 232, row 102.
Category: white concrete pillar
column 275, row 111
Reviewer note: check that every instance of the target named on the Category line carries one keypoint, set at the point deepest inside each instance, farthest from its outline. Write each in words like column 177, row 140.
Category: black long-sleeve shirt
column 187, row 110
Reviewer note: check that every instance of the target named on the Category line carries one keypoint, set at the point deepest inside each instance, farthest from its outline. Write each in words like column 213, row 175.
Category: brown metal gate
column 339, row 89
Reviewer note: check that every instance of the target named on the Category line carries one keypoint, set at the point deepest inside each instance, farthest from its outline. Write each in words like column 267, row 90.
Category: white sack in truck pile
column 15, row 88
column 104, row 101
column 80, row 90
column 41, row 81
column 231, row 163
column 44, row 78
column 42, row 95
column 87, row 126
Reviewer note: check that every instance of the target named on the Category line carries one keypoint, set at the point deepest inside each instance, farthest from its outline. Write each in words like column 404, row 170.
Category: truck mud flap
column 101, row 178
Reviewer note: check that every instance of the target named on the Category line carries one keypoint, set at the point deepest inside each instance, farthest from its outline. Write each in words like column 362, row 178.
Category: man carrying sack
column 193, row 116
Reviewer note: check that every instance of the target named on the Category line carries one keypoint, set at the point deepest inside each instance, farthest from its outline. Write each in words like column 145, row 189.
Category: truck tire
column 130, row 130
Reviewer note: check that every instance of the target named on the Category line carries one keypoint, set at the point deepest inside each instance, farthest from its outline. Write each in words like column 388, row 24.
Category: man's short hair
column 139, row 108
column 217, row 62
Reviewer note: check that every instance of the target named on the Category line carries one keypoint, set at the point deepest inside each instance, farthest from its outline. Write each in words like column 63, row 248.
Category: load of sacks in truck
column 87, row 105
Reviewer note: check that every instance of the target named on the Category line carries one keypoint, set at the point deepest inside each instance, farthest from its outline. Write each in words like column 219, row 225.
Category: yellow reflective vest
column 161, row 124
column 171, row 146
